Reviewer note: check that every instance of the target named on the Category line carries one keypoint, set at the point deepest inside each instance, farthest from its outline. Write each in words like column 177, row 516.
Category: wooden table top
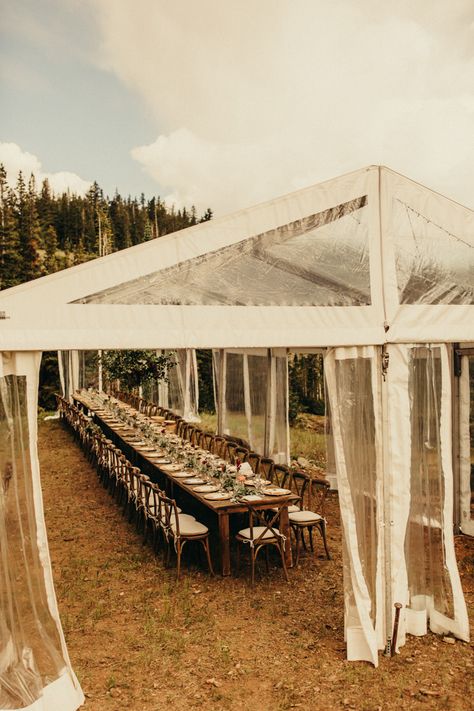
column 124, row 431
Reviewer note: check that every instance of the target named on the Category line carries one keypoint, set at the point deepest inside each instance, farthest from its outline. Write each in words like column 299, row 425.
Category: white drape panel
column 181, row 393
column 353, row 388
column 396, row 494
column 68, row 362
column 251, row 395
column 465, row 419
column 35, row 671
column 434, row 586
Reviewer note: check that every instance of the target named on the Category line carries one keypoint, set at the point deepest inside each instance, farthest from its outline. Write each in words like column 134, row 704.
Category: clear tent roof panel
column 434, row 265
column 319, row 260
column 333, row 264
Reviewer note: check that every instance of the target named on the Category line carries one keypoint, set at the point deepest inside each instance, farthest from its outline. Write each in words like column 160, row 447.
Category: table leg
column 285, row 530
column 224, row 543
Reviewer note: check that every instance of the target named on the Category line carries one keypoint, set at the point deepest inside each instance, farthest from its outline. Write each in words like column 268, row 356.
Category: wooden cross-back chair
column 206, row 440
column 178, row 529
column 219, row 446
column 261, row 533
column 280, row 475
column 266, row 468
column 254, row 460
column 240, row 453
column 313, row 492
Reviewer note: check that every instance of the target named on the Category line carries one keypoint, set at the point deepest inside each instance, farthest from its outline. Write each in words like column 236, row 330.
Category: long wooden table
column 222, row 509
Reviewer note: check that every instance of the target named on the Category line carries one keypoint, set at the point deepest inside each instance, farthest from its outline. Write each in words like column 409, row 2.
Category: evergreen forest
column 41, row 233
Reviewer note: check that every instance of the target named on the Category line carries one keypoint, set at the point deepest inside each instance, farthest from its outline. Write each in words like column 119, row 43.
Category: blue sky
column 63, row 108
column 226, row 104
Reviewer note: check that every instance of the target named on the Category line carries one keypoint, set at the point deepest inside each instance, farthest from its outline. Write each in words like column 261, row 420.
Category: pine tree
column 46, row 209
column 28, row 228
column 43, row 232
column 10, row 260
column 50, row 242
column 207, row 215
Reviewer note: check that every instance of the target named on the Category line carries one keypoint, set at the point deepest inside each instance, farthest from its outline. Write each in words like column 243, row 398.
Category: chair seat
column 185, row 516
column 257, row 531
column 188, row 526
column 292, row 508
column 153, row 509
column 304, row 517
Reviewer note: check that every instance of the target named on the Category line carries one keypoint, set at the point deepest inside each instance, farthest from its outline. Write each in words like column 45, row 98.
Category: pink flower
column 240, row 478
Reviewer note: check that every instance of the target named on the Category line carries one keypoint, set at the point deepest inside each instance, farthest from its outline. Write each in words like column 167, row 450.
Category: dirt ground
column 140, row 642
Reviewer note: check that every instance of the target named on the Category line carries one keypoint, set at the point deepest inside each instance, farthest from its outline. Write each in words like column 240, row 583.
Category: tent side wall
column 35, row 671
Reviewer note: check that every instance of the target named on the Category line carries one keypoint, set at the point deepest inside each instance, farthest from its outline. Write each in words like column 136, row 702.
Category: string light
column 430, row 222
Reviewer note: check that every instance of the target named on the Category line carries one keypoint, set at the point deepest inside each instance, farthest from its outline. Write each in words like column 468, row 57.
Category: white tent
column 371, row 266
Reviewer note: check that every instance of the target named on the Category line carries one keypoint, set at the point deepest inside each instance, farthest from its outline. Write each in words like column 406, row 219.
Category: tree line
column 41, row 232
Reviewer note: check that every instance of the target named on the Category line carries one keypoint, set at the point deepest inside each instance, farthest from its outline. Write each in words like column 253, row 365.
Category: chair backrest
column 240, row 453
column 280, row 475
column 168, row 515
column 298, row 483
column 254, row 460
column 154, row 509
column 266, row 468
column 180, row 426
column 143, row 491
column 135, row 480
column 259, row 517
column 151, row 409
column 187, row 431
column 121, row 466
column 318, row 491
column 195, row 437
column 315, row 490
column 218, row 445
column 206, row 440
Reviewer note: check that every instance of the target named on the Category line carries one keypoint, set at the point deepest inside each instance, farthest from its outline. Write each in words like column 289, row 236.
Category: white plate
column 160, row 460
column 276, row 491
column 218, row 496
column 206, row 489
column 193, row 480
column 180, row 475
column 171, row 468
column 252, row 482
column 252, row 497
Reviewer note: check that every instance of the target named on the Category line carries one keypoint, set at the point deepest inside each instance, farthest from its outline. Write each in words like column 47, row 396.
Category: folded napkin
column 246, row 469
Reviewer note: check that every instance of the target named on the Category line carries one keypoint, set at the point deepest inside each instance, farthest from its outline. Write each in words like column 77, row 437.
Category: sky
column 226, row 103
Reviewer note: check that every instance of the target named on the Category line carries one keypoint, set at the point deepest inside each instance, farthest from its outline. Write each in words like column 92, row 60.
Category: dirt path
column 138, row 641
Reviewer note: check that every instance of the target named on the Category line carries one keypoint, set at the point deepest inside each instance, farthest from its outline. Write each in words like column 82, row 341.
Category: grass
column 139, row 640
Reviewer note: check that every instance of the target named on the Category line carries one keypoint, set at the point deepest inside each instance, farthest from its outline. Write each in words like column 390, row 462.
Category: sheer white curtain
column 466, row 427
column 181, row 392
column 353, row 388
column 68, row 362
column 35, row 671
column 425, row 577
column 251, row 395
column 392, row 445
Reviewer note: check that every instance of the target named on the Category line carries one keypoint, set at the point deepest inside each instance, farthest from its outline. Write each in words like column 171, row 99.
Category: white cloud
column 15, row 159
column 254, row 99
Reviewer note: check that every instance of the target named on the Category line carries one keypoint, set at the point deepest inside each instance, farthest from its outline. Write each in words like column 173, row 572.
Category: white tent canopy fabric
column 372, row 266
column 367, row 258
